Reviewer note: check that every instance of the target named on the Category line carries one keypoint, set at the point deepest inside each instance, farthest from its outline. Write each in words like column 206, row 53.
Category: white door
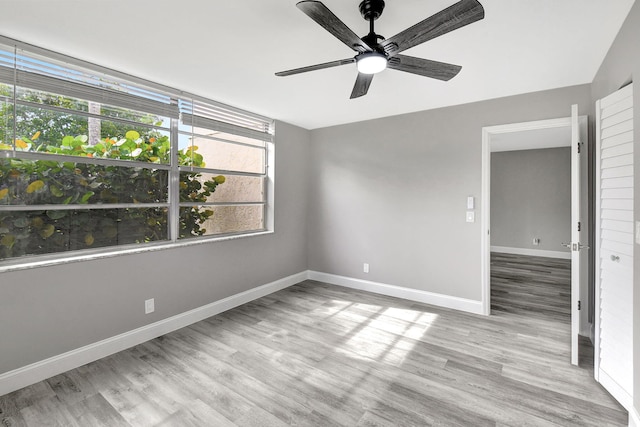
column 577, row 149
column 614, row 245
column 575, row 245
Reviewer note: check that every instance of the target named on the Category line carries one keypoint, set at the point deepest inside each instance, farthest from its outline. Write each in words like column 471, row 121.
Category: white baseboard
column 463, row 304
column 618, row 393
column 634, row 418
column 586, row 331
column 30, row 374
column 531, row 252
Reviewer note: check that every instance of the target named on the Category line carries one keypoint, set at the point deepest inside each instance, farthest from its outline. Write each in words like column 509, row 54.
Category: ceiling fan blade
column 424, row 67
column 362, row 85
column 316, row 67
column 330, row 22
column 456, row 16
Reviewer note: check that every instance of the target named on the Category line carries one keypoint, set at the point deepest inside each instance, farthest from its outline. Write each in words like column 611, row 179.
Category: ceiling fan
column 375, row 53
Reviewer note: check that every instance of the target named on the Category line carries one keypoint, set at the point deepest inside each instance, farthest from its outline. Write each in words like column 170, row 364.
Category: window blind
column 51, row 73
column 29, row 71
column 225, row 119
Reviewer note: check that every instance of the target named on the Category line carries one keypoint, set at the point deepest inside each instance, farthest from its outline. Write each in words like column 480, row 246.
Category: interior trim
column 485, row 198
column 531, row 252
column 440, row 300
column 38, row 371
column 114, row 251
column 634, row 418
column 618, row 393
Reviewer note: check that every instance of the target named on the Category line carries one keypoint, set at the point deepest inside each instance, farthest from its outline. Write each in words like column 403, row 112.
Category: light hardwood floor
column 321, row 355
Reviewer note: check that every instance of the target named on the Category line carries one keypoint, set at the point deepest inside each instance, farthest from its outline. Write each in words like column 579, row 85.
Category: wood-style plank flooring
column 322, row 355
column 530, row 286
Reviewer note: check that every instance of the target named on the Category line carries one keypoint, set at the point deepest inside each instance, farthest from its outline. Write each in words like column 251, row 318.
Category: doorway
column 568, row 131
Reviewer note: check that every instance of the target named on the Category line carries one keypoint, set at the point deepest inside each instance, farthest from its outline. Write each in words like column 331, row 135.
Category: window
column 92, row 158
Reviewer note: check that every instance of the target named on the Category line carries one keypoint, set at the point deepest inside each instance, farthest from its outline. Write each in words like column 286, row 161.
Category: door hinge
column 579, row 226
column 579, row 305
column 579, row 144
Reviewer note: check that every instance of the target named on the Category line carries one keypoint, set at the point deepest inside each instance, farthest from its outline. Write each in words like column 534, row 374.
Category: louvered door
column 614, row 244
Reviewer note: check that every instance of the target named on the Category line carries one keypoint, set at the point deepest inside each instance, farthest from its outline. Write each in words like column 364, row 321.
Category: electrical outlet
column 536, row 241
column 149, row 306
column 365, row 267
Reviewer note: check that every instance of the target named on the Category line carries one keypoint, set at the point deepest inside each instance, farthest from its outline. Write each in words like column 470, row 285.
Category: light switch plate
column 471, row 216
column 470, row 203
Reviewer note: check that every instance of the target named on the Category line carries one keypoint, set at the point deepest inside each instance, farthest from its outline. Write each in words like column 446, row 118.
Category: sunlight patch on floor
column 387, row 334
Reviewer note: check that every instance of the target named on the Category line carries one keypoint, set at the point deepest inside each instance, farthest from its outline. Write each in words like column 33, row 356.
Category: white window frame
column 222, row 117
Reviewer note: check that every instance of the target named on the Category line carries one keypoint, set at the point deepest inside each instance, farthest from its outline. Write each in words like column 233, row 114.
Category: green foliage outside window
column 51, row 182
column 56, row 124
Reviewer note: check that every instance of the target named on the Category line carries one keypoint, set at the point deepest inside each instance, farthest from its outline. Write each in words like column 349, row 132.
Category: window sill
column 16, row 264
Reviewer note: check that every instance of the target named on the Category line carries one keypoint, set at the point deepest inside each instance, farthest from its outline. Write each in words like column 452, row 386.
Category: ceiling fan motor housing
column 373, row 40
column 371, row 9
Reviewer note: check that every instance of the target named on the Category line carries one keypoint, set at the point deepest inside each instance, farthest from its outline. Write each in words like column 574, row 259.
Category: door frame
column 487, row 133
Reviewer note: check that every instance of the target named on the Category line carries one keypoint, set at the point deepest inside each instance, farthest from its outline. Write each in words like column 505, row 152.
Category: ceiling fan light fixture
column 371, row 62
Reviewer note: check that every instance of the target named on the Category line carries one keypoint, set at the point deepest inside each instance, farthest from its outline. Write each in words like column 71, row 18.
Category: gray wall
column 392, row 192
column 621, row 65
column 531, row 198
column 51, row 310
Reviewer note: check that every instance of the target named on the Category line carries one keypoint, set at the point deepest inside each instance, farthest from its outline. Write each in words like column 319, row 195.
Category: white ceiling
column 230, row 50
